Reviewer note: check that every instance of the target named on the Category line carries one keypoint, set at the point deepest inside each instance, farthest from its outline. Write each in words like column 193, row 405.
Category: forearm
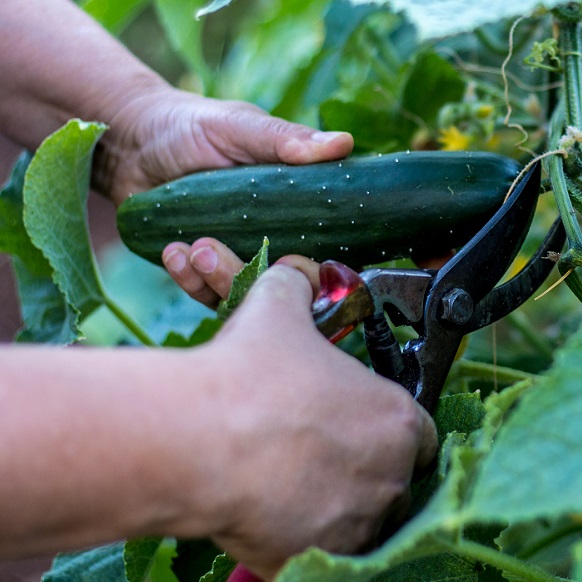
column 57, row 63
column 92, row 447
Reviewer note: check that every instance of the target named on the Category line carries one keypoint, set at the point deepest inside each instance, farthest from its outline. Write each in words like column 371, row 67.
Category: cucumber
column 360, row 211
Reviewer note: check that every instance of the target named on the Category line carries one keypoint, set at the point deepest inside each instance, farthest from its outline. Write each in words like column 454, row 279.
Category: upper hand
column 166, row 133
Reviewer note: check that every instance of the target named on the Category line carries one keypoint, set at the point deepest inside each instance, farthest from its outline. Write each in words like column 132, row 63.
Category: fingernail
column 204, row 259
column 176, row 261
column 325, row 136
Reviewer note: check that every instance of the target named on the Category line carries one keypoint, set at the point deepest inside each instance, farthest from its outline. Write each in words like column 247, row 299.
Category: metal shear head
column 442, row 305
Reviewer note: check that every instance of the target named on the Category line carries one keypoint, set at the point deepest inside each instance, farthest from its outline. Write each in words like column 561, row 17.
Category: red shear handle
column 241, row 574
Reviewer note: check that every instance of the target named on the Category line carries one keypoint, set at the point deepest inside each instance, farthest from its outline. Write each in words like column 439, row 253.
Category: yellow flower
column 452, row 139
column 484, row 111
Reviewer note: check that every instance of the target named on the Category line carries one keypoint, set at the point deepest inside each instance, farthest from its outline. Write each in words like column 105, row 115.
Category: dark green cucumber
column 360, row 211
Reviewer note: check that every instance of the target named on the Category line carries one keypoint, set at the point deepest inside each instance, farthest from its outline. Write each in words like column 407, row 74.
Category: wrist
column 192, row 495
column 124, row 112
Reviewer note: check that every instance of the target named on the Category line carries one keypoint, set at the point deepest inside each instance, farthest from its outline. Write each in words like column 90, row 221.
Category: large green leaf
column 535, row 467
column 47, row 316
column 55, row 194
column 437, row 568
column 440, row 18
column 104, row 564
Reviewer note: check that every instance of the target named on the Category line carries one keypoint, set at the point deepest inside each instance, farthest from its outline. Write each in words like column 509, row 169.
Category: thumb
column 282, row 295
column 254, row 136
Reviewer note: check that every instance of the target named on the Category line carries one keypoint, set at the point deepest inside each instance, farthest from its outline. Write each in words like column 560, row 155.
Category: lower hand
column 326, row 450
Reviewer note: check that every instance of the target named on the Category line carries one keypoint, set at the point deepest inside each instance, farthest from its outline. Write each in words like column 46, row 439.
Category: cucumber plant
column 503, row 502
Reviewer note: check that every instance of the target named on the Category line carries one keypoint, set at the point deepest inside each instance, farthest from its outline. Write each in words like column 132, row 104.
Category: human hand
column 163, row 133
column 206, row 269
column 322, row 451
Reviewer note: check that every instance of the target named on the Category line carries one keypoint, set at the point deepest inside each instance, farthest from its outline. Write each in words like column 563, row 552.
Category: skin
column 268, row 439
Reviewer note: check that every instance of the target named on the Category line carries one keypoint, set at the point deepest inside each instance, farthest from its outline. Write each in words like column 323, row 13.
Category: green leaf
column 244, row 280
column 460, row 413
column 194, row 559
column 576, row 573
column 253, row 70
column 104, row 564
column 14, row 239
column 150, row 560
column 114, row 16
column 431, row 83
column 47, row 316
column 318, row 80
column 545, row 542
column 535, row 466
column 438, row 568
column 373, row 130
column 222, row 566
column 207, row 329
column 55, row 194
column 440, row 18
column 184, row 32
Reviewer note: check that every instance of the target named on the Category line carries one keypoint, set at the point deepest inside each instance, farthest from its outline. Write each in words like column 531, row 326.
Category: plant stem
column 520, row 321
column 570, row 52
column 490, row 372
column 504, row 562
column 568, row 530
column 558, row 179
column 129, row 323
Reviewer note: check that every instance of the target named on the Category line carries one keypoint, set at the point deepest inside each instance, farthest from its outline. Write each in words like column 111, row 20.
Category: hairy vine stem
column 568, row 114
column 504, row 562
column 484, row 371
column 129, row 323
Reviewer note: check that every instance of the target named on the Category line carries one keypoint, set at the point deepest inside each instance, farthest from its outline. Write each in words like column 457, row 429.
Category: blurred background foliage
column 358, row 67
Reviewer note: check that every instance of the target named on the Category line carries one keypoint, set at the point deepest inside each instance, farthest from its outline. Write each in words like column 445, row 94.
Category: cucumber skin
column 360, row 211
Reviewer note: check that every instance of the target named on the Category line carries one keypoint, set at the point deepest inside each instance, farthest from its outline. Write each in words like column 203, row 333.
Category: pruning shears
column 441, row 305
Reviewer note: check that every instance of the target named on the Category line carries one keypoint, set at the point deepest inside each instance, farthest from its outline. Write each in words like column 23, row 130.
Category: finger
column 305, row 147
column 176, row 259
column 280, row 140
column 216, row 264
column 308, row 267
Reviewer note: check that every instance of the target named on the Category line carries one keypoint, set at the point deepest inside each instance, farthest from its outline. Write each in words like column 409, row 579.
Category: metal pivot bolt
column 457, row 306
